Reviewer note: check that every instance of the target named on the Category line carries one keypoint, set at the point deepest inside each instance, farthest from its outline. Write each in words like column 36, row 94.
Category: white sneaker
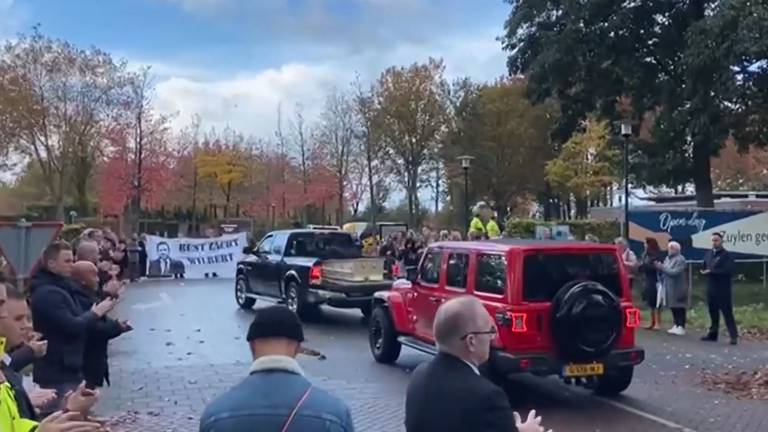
column 673, row 330
column 678, row 331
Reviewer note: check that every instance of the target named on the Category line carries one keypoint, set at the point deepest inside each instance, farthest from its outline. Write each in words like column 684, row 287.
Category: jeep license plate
column 582, row 370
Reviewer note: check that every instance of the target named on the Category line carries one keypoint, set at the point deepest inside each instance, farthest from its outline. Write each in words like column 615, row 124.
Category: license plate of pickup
column 583, row 370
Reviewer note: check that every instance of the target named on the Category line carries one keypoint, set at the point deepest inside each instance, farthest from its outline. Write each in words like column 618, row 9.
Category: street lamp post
column 466, row 163
column 626, row 132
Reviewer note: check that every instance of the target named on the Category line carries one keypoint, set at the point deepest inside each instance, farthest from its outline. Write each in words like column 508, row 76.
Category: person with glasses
column 448, row 394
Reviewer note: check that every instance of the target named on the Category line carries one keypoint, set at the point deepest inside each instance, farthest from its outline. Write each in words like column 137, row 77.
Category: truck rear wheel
column 382, row 336
column 614, row 381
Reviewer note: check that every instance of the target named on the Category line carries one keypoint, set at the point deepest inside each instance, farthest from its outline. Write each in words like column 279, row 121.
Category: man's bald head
column 455, row 318
column 88, row 251
column 86, row 273
column 464, row 329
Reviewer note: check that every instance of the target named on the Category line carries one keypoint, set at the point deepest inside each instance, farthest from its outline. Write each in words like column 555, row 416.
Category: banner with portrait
column 194, row 258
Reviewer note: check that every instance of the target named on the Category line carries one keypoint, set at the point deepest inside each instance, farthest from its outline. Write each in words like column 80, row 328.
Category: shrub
column 606, row 231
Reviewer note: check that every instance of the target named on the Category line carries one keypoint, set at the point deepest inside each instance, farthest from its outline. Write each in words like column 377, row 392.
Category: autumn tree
column 735, row 170
column 368, row 117
column 698, row 66
column 336, row 136
column 586, row 165
column 57, row 100
column 413, row 109
column 223, row 163
column 507, row 135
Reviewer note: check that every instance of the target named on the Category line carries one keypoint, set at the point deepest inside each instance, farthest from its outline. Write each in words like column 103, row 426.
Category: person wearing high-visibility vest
column 492, row 228
column 10, row 419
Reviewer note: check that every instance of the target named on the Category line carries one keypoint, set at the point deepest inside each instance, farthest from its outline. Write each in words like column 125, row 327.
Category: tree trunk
column 227, row 198
column 371, row 184
column 340, row 211
column 702, row 175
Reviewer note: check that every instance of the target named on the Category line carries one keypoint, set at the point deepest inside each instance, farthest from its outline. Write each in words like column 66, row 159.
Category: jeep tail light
column 315, row 275
column 519, row 322
column 395, row 270
column 633, row 318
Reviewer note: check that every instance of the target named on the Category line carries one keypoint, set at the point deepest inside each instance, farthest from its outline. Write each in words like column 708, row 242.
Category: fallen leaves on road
column 754, row 334
column 740, row 384
column 312, row 353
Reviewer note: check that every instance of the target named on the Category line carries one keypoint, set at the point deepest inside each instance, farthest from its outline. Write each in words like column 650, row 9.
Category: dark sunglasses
column 492, row 331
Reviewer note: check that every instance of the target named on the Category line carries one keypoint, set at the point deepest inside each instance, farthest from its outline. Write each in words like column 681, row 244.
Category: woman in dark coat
column 651, row 256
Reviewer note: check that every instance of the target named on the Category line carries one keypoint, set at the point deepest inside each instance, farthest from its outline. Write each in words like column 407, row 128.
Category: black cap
column 275, row 322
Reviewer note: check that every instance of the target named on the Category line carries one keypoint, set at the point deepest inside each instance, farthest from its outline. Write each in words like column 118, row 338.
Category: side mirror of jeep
column 247, row 250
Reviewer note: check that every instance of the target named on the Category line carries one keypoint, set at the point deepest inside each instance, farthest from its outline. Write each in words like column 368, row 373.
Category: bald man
column 95, row 359
column 448, row 394
column 88, row 251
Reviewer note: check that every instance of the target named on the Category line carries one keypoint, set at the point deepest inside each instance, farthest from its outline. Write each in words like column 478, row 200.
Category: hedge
column 606, row 231
column 71, row 232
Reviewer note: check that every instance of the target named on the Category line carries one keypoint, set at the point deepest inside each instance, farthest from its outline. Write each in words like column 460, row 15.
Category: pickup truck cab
column 561, row 308
column 304, row 269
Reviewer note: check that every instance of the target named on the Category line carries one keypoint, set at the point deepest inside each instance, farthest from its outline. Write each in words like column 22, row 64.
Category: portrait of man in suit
column 165, row 265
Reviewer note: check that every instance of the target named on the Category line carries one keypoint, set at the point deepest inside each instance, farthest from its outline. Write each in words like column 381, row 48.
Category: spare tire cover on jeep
column 586, row 321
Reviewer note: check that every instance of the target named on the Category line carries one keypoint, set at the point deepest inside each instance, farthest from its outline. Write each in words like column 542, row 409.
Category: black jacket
column 64, row 324
column 446, row 395
column 95, row 357
column 19, row 360
column 720, row 265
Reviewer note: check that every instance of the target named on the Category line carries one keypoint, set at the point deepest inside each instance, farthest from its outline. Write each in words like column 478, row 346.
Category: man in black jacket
column 62, row 322
column 448, row 394
column 718, row 267
column 86, row 294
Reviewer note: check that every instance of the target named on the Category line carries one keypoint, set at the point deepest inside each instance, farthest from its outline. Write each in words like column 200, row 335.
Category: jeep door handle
column 435, row 299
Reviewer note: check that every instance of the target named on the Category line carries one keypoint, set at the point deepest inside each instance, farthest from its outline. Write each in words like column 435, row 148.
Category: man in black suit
column 448, row 394
column 719, row 267
column 164, row 265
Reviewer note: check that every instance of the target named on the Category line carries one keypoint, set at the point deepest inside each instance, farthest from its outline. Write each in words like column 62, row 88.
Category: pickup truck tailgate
column 354, row 270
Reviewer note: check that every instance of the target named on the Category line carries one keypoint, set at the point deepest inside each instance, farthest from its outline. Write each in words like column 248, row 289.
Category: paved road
column 189, row 346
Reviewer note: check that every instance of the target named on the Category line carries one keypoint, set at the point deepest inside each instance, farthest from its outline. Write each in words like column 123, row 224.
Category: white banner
column 193, row 258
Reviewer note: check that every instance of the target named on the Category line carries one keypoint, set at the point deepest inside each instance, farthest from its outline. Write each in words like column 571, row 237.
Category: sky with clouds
column 233, row 61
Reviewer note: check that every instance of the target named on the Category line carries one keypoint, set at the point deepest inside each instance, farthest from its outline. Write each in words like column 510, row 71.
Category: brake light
column 315, row 275
column 395, row 270
column 519, row 321
column 633, row 318
column 525, row 364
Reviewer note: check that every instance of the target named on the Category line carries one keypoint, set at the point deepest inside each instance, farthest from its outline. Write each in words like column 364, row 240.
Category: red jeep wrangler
column 561, row 308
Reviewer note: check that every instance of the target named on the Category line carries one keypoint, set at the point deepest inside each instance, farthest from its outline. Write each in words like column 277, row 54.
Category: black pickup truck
column 306, row 268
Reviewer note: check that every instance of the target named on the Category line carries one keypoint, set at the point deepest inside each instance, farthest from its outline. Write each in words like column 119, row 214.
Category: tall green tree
column 695, row 68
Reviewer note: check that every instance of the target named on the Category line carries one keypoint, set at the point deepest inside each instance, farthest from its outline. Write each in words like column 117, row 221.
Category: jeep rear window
column 544, row 274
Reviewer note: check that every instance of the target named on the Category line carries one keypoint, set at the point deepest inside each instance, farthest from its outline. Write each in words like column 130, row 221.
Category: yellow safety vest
column 10, row 421
column 476, row 225
column 493, row 229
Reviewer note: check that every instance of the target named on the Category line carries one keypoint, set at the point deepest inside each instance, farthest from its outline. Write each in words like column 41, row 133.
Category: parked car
column 307, row 268
column 561, row 308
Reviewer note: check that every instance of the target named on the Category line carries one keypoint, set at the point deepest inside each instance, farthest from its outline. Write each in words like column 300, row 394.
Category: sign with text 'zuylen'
column 193, row 258
column 744, row 232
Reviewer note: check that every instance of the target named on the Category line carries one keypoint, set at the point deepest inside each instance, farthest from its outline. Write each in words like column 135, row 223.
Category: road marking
column 657, row 419
column 164, row 299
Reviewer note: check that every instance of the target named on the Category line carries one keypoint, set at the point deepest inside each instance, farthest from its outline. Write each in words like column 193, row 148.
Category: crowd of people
column 61, row 328
column 664, row 284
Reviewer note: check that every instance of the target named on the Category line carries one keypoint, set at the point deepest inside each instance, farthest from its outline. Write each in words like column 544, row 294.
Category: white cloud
column 248, row 101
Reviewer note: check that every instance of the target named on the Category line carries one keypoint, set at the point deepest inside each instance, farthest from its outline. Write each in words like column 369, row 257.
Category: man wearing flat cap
column 276, row 397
